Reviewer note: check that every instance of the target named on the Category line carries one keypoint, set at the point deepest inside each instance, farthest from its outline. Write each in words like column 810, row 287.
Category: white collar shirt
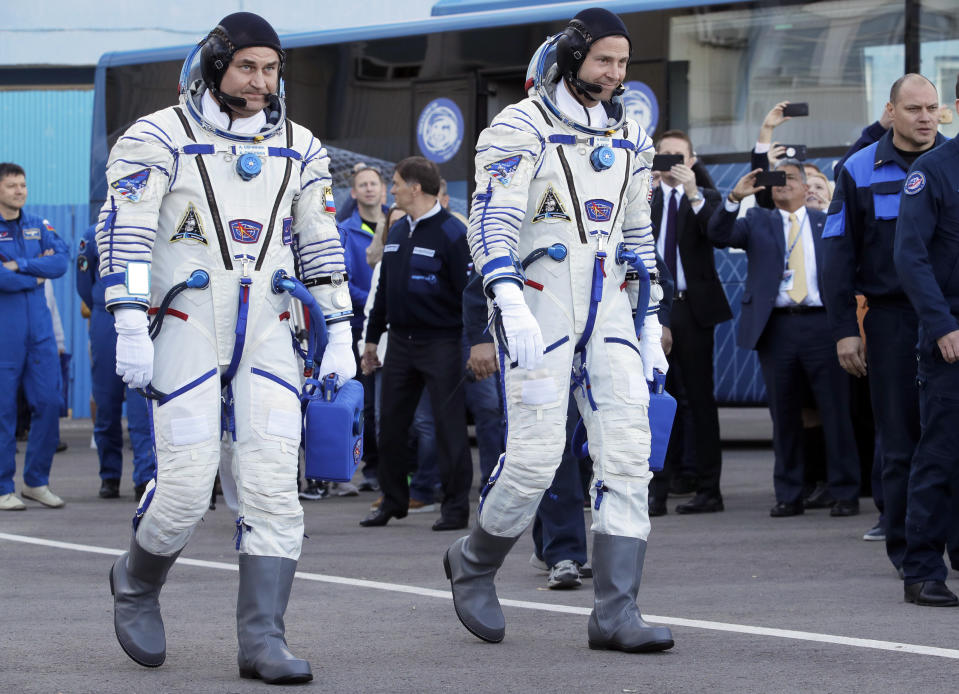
column 809, row 255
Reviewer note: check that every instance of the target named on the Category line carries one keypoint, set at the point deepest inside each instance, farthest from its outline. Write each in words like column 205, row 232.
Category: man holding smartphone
column 783, row 319
column 679, row 211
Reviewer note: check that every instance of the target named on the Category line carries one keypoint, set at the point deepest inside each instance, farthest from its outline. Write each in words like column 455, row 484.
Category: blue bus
column 708, row 67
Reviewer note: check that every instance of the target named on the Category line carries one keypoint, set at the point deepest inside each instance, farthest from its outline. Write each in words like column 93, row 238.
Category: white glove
column 134, row 347
column 524, row 340
column 338, row 355
column 651, row 347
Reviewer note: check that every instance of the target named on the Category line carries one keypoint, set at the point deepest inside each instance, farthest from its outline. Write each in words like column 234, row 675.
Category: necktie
column 669, row 246
column 797, row 261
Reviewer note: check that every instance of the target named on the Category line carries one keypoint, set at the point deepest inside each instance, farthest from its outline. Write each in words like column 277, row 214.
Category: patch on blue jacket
column 31, row 234
column 131, row 187
column 504, row 169
column 914, row 183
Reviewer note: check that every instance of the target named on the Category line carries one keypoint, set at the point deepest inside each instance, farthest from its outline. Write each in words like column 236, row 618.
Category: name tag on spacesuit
column 258, row 150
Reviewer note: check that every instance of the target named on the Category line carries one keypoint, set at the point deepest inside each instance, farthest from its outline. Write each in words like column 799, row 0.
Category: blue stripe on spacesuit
column 275, row 379
column 561, row 341
column 189, row 386
column 621, row 341
column 113, row 280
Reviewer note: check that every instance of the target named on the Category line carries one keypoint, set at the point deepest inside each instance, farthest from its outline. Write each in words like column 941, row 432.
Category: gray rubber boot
column 615, row 622
column 471, row 563
column 265, row 584
column 135, row 582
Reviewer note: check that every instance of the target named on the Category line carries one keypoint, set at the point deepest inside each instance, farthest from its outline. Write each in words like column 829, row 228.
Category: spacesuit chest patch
column 598, row 210
column 5, row 235
column 190, row 227
column 288, row 231
column 31, row 234
column 245, row 230
column 503, row 170
column 550, row 208
column 131, row 187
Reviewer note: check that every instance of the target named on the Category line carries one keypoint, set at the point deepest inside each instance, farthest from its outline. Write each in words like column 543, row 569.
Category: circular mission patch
column 915, row 183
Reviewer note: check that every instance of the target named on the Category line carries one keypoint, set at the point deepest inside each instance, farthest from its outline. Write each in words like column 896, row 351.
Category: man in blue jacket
column 31, row 252
column 109, row 390
column 925, row 252
column 857, row 255
column 783, row 319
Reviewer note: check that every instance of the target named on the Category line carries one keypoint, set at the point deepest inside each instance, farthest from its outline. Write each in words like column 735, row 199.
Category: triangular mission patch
column 550, row 207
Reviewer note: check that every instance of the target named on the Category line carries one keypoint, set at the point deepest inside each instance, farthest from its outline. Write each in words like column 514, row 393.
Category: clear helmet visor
column 542, row 77
column 191, row 88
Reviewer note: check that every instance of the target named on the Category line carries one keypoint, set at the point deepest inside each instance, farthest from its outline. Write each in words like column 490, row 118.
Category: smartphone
column 771, row 178
column 664, row 162
column 800, row 108
column 795, row 152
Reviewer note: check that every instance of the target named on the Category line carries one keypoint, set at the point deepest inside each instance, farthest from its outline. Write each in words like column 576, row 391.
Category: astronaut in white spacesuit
column 561, row 203
column 225, row 184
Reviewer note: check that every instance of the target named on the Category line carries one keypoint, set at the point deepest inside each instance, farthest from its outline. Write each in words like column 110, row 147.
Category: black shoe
column 379, row 517
column 657, row 507
column 844, row 508
column 448, row 524
column 139, row 491
column 61, row 446
column 820, row 498
column 109, row 489
column 701, row 503
column 930, row 594
column 786, row 508
column 683, row 485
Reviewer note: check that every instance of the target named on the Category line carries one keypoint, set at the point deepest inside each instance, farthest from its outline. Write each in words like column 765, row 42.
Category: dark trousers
column 437, row 365
column 559, row 529
column 793, row 347
column 891, row 335
column 691, row 373
column 933, row 493
column 370, row 449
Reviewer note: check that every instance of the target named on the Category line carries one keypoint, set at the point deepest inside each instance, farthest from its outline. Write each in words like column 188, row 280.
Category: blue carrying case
column 662, row 412
column 332, row 429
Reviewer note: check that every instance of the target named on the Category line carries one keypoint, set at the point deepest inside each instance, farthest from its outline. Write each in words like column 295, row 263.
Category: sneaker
column 344, row 489
column 537, row 563
column 314, row 491
column 564, row 576
column 11, row 502
column 875, row 534
column 369, row 485
column 43, row 495
column 417, row 506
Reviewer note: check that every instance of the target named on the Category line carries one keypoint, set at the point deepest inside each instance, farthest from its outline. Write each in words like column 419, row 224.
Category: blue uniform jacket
column 927, row 242
column 356, row 238
column 23, row 305
column 760, row 233
column 859, row 235
column 422, row 278
column 88, row 270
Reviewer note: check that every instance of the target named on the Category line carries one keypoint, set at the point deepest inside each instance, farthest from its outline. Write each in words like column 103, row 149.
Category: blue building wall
column 47, row 132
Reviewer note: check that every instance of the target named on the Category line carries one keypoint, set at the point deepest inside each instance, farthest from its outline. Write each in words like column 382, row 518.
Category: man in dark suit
column 783, row 319
column 680, row 212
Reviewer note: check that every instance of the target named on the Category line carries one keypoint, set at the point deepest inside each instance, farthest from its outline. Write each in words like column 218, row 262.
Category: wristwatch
column 696, row 198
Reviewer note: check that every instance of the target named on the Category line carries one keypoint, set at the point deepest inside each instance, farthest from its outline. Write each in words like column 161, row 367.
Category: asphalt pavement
column 756, row 604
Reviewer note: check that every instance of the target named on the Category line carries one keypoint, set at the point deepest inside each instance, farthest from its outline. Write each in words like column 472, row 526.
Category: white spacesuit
column 189, row 189
column 554, row 174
